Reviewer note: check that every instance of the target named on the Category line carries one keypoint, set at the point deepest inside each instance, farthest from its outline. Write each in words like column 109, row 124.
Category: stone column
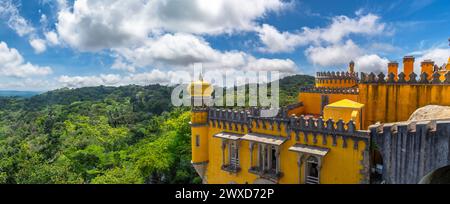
column 300, row 163
column 236, row 145
column 224, row 145
column 264, row 155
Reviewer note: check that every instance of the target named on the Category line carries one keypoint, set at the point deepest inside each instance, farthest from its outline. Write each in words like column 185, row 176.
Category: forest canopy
column 102, row 135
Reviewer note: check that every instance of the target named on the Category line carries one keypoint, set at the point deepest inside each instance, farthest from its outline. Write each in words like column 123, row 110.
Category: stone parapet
column 411, row 150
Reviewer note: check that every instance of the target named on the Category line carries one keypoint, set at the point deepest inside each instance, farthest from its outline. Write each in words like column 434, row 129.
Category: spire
column 200, row 77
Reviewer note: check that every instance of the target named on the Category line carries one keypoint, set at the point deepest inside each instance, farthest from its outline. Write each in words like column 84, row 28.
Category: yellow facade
column 326, row 138
column 348, row 160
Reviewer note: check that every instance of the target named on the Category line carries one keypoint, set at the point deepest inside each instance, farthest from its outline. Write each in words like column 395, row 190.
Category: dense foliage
column 128, row 134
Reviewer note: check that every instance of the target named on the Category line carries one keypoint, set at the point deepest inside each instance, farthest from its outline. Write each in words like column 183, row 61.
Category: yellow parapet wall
column 397, row 101
column 312, row 101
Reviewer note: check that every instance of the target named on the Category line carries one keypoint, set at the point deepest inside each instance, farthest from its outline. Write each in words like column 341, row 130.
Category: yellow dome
column 200, row 88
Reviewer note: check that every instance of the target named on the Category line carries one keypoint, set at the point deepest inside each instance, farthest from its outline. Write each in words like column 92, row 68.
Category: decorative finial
column 351, row 67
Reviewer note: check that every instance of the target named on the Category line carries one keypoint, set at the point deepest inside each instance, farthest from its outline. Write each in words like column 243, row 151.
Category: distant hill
column 24, row 94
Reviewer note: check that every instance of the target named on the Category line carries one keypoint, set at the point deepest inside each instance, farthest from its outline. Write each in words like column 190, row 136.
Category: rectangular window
column 197, row 140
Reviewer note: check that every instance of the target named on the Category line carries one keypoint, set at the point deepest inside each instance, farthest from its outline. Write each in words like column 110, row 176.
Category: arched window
column 312, row 170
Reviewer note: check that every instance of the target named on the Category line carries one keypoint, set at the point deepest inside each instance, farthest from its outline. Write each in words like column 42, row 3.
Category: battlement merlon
column 337, row 75
column 438, row 78
column 327, row 90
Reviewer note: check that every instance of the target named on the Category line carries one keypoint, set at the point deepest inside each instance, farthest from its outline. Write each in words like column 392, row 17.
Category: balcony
column 267, row 174
column 231, row 168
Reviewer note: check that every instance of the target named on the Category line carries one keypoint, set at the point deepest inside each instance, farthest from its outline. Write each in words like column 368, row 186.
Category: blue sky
column 49, row 44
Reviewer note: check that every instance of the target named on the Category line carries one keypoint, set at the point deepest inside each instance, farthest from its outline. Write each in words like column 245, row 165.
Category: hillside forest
column 102, row 135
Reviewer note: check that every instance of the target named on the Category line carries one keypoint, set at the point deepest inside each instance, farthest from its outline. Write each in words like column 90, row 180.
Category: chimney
column 427, row 66
column 408, row 66
column 393, row 68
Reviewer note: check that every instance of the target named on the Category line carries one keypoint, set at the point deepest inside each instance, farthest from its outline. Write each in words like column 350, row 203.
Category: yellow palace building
column 323, row 139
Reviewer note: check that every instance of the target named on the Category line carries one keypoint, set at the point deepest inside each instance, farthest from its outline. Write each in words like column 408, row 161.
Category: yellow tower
column 408, row 66
column 428, row 67
column 393, row 68
column 200, row 92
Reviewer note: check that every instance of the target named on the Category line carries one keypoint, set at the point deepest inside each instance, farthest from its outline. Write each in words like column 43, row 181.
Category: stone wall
column 411, row 150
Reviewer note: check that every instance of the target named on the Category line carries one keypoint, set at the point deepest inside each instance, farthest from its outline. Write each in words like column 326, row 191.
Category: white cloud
column 10, row 12
column 334, row 54
column 38, row 45
column 51, row 38
column 27, row 84
column 285, row 66
column 371, row 63
column 183, row 50
column 340, row 28
column 440, row 56
column 176, row 49
column 276, row 41
column 89, row 81
column 146, row 78
column 12, row 64
column 119, row 64
column 102, row 24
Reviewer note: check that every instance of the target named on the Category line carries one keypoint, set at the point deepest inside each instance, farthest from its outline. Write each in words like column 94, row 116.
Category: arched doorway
column 438, row 176
column 312, row 170
column 376, row 170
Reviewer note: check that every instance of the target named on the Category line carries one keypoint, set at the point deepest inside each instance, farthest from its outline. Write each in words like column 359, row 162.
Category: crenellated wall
column 411, row 150
column 389, row 100
column 336, row 79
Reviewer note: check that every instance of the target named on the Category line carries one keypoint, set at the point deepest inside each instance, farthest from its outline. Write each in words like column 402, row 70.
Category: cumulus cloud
column 38, row 45
column 334, row 54
column 51, row 38
column 371, row 63
column 440, row 56
column 12, row 64
column 102, row 24
column 276, row 41
column 340, row 28
column 165, row 33
column 183, row 50
column 89, row 81
column 154, row 77
column 285, row 66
